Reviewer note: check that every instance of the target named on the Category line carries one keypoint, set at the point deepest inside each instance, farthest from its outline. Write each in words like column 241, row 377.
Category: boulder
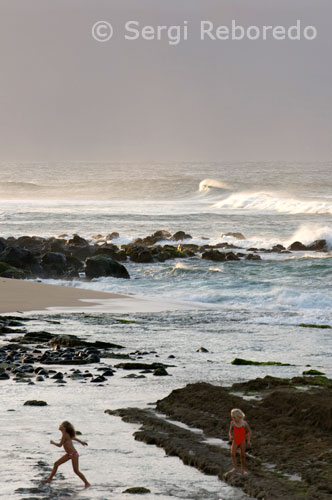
column 141, row 255
column 252, row 256
column 103, row 265
column 17, row 257
column 32, row 243
column 76, row 240
column 3, row 244
column 112, row 236
column 153, row 239
column 277, row 248
column 112, row 251
column 7, row 271
column 297, row 246
column 318, row 246
column 181, row 235
column 54, row 263
column 231, row 256
column 214, row 255
column 53, row 245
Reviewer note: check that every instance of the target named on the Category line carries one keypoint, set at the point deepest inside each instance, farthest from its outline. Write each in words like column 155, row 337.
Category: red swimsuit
column 239, row 433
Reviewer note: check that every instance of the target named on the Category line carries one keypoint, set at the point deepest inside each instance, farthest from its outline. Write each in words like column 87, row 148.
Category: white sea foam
column 306, row 234
column 268, row 201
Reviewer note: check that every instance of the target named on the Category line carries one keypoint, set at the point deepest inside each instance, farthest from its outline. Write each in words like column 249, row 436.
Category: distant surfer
column 68, row 436
column 239, row 432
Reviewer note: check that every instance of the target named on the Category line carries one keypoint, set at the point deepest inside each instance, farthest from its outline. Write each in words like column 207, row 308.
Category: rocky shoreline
column 291, row 421
column 37, row 356
column 69, row 257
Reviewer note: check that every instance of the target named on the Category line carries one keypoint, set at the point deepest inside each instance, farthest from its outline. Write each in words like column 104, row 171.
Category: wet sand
column 21, row 295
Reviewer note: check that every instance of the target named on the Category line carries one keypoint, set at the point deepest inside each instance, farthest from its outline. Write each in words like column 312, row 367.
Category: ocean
column 246, row 309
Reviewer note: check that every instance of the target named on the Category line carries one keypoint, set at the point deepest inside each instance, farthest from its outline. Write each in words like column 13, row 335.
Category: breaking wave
column 206, row 184
column 265, row 201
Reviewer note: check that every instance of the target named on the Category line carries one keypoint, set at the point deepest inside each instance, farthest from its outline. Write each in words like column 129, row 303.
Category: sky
column 66, row 96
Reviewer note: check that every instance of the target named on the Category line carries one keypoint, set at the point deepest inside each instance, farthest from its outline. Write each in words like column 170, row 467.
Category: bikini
column 73, row 454
column 239, row 433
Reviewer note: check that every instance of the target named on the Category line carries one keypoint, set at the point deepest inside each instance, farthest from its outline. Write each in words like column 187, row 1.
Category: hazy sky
column 63, row 95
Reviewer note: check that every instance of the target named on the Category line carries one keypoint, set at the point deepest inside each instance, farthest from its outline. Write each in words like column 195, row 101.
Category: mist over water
column 263, row 200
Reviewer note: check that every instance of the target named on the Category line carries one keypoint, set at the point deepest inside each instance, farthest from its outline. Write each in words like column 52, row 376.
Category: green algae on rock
column 240, row 361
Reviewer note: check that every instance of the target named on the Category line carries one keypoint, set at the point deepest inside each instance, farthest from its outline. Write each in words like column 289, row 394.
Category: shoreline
column 24, row 296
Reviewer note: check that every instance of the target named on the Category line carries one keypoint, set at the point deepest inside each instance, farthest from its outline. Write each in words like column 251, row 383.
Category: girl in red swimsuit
column 68, row 436
column 237, row 434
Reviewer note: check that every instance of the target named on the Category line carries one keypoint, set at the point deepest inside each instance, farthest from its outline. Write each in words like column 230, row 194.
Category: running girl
column 237, row 434
column 68, row 436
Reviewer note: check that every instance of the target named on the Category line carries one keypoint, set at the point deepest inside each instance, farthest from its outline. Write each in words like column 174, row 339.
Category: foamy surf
column 271, row 202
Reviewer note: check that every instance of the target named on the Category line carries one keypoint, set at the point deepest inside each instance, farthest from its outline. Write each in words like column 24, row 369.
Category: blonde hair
column 69, row 428
column 236, row 412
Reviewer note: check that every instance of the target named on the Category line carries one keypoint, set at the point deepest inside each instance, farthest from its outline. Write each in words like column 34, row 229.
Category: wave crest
column 265, row 201
column 206, row 184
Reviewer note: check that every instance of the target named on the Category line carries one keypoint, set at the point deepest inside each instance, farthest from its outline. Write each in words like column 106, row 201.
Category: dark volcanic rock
column 112, row 236
column 17, row 257
column 152, row 240
column 54, row 263
column 277, row 248
column 54, row 245
column 32, row 243
column 7, row 271
column 252, row 256
column 318, row 246
column 137, row 490
column 34, row 402
column 160, row 372
column 181, row 235
column 141, row 255
column 111, row 251
column 214, row 255
column 102, row 265
column 291, row 433
column 3, row 244
column 297, row 246
column 73, row 341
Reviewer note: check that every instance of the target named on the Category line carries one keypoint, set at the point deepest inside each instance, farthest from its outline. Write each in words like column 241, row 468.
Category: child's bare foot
column 232, row 470
column 46, row 480
column 244, row 472
column 87, row 485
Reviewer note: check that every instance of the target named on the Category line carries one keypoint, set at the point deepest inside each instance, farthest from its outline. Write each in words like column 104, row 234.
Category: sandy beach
column 21, row 295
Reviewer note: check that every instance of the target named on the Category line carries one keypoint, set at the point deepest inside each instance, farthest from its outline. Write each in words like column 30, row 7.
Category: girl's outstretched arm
column 84, row 443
